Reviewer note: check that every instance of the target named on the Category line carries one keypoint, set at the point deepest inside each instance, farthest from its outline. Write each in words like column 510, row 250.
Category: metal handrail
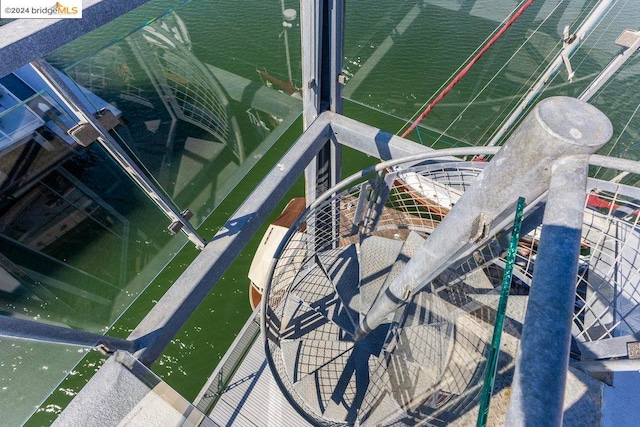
column 228, row 365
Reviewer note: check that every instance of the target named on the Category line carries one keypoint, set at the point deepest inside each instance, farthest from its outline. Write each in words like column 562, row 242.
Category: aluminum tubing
column 557, row 127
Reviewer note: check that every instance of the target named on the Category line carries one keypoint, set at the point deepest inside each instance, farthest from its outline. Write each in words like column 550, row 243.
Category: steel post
column 322, row 57
column 557, row 127
column 322, row 53
column 537, row 391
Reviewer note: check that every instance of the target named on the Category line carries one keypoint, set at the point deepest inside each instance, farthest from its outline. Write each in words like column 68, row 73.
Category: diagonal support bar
column 11, row 327
column 556, row 128
column 168, row 316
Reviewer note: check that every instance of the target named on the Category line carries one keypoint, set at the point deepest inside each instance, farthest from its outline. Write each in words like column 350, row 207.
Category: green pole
column 494, row 351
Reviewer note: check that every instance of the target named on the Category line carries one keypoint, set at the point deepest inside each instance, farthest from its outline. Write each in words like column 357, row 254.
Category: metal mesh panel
column 607, row 293
column 317, row 296
column 427, row 363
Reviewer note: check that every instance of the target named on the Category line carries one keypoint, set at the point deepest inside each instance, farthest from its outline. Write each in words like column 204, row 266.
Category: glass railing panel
column 79, row 241
column 200, row 93
column 192, row 113
column 67, row 238
column 423, row 45
column 29, row 371
column 77, row 238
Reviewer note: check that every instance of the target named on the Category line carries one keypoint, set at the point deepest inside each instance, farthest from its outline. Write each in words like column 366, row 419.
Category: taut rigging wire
column 533, row 33
column 457, row 70
column 466, row 69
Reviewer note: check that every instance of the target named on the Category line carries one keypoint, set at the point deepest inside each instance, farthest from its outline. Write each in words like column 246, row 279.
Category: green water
column 393, row 70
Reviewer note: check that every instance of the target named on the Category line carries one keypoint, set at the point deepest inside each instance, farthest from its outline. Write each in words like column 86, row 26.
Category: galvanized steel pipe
column 537, row 392
column 557, row 127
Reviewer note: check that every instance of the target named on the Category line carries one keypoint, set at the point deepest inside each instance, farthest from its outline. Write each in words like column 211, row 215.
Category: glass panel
column 400, row 56
column 75, row 234
column 29, row 371
column 200, row 93
column 196, row 121
column 71, row 237
column 78, row 240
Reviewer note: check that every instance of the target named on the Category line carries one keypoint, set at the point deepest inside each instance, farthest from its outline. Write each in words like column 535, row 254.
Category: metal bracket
column 84, row 133
column 177, row 225
column 480, row 228
column 105, row 349
column 567, row 40
column 107, row 118
column 633, row 350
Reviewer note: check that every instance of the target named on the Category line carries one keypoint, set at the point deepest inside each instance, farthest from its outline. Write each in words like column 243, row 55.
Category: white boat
column 259, row 269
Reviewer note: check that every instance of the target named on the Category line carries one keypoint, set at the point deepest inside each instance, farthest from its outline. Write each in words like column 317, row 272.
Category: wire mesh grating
column 450, row 323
